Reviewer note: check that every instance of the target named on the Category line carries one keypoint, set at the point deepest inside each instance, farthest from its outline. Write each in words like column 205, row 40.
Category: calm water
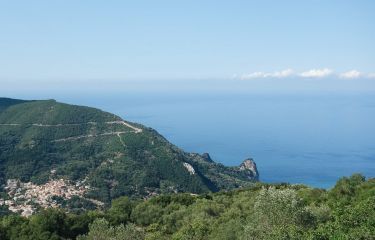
column 312, row 139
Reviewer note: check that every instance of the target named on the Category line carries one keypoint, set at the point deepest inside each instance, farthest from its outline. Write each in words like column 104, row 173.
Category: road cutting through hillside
column 136, row 130
column 118, row 133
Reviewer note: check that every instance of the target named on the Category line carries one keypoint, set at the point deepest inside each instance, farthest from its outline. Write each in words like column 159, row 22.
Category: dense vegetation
column 113, row 165
column 262, row 211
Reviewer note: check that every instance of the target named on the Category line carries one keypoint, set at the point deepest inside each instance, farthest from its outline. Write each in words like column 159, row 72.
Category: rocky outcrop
column 190, row 168
column 207, row 157
column 250, row 168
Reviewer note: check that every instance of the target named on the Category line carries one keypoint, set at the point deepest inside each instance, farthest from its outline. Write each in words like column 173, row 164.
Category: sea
column 307, row 138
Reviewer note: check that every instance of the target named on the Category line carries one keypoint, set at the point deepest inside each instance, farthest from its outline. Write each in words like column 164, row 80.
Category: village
column 25, row 198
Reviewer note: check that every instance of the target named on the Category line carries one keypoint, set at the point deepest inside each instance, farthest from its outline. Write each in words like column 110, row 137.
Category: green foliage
column 196, row 230
column 77, row 204
column 101, row 230
column 345, row 189
column 261, row 212
column 7, row 102
column 278, row 214
column 120, row 211
column 48, row 224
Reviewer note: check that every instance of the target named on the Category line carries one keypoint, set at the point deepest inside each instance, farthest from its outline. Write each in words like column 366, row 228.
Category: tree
column 101, row 230
column 120, row 211
column 345, row 189
column 48, row 224
column 197, row 230
column 278, row 214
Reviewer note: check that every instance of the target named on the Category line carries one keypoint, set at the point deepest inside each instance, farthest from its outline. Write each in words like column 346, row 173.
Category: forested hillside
column 263, row 211
column 55, row 154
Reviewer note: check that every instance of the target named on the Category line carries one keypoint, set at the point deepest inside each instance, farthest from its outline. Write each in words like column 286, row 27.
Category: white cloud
column 279, row 74
column 282, row 74
column 313, row 73
column 317, row 73
column 253, row 75
column 351, row 74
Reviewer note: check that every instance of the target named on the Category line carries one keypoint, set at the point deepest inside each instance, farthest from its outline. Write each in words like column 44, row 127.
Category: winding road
column 118, row 133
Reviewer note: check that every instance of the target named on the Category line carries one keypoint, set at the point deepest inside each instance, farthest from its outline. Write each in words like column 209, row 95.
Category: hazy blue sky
column 97, row 41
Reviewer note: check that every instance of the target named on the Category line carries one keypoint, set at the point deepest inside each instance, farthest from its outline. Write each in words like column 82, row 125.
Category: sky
column 155, row 44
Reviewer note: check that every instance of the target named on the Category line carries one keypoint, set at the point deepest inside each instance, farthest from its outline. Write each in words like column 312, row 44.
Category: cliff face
column 108, row 155
column 250, row 168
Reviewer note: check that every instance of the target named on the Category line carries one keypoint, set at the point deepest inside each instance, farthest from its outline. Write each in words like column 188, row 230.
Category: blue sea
column 312, row 139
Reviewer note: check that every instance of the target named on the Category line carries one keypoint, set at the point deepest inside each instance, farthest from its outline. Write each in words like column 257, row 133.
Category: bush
column 101, row 230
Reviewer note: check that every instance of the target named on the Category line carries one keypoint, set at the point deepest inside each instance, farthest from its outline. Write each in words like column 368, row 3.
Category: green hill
column 96, row 156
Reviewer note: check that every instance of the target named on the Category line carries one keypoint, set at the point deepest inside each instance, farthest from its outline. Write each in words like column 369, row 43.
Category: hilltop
column 81, row 158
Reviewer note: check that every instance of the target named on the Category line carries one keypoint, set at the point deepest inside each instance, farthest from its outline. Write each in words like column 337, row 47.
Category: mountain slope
column 99, row 153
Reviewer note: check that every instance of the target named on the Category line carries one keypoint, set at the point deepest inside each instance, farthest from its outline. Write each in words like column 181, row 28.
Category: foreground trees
column 101, row 230
column 261, row 212
column 278, row 213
